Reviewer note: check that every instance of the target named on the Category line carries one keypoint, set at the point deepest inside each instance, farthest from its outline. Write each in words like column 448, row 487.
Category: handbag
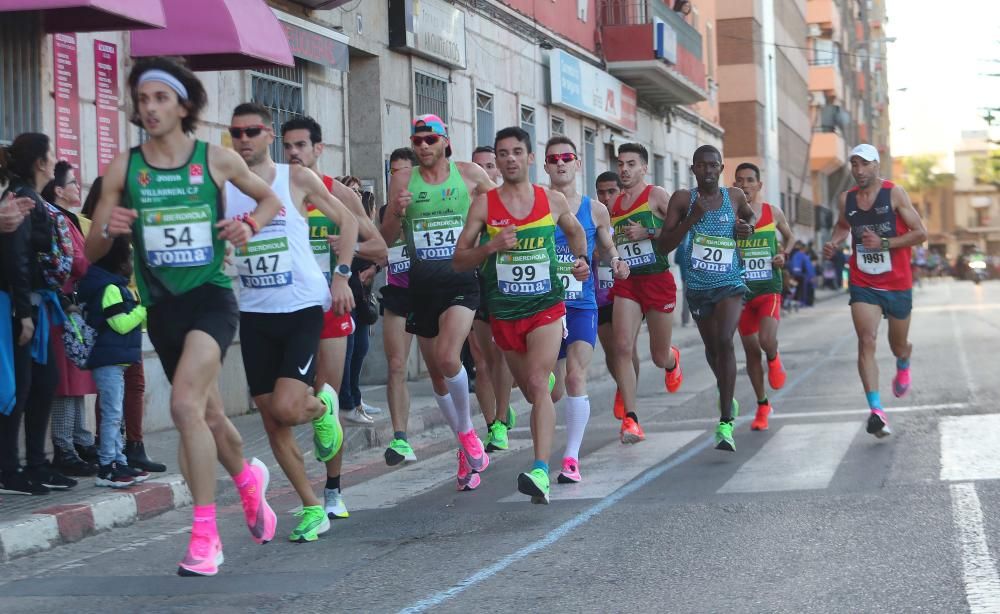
column 367, row 308
column 78, row 338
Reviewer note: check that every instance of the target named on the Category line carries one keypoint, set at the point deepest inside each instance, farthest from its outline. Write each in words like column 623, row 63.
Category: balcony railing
column 642, row 12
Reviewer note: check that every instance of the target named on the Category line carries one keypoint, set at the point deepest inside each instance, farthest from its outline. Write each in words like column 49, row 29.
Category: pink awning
column 92, row 15
column 218, row 35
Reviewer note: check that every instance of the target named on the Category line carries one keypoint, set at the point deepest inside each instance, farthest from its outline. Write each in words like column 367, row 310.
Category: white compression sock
column 447, row 406
column 458, row 387
column 577, row 415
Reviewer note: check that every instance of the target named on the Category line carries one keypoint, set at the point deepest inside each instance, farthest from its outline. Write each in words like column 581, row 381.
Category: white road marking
column 979, row 567
column 969, row 447
column 614, row 465
column 796, row 457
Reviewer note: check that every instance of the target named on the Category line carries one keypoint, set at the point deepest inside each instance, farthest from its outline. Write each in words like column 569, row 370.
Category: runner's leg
column 396, row 344
column 484, row 385
column 625, row 326
column 531, row 371
column 866, row 320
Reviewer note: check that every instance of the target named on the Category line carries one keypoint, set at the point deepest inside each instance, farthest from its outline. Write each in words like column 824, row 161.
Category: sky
column 942, row 50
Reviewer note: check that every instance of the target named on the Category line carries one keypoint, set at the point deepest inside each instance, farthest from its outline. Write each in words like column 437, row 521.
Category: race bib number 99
column 178, row 236
column 757, row 264
column 873, row 261
column 713, row 254
column 573, row 287
column 265, row 263
column 523, row 273
column 434, row 238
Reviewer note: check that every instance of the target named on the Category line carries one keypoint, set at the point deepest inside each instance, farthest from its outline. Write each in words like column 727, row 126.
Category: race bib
column 178, row 236
column 873, row 261
column 757, row 263
column 434, row 238
column 573, row 287
column 265, row 263
column 637, row 253
column 321, row 252
column 713, row 254
column 605, row 276
column 399, row 259
column 523, row 273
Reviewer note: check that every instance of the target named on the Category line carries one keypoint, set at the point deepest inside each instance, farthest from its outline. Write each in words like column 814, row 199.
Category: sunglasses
column 250, row 131
column 565, row 157
column 420, row 140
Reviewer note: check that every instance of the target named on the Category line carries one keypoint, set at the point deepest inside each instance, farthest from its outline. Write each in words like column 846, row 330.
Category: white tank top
column 276, row 269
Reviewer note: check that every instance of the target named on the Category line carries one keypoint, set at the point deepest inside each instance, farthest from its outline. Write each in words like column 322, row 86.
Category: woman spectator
column 28, row 164
column 69, row 420
column 135, row 382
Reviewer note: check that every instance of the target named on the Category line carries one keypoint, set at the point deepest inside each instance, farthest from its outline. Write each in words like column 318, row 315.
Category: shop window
column 431, row 95
column 281, row 90
column 20, row 75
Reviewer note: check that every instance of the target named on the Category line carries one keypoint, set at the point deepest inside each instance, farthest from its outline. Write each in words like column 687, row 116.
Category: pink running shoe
column 901, row 383
column 878, row 424
column 570, row 473
column 475, row 455
column 261, row 519
column 204, row 555
column 467, row 480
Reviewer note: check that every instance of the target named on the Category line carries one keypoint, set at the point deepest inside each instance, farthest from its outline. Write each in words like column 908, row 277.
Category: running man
column 523, row 287
column 429, row 205
column 283, row 295
column 167, row 194
column 302, row 139
column 396, row 341
column 493, row 377
column 649, row 291
column 762, row 265
column 562, row 164
column 608, row 186
column 883, row 226
column 706, row 223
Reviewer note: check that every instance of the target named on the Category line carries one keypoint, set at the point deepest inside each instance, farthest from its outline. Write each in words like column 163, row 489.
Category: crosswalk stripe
column 411, row 480
column 614, row 465
column 969, row 447
column 796, row 457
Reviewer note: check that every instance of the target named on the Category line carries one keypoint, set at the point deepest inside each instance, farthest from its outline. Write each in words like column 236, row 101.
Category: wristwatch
column 106, row 232
column 585, row 259
column 342, row 270
column 885, row 242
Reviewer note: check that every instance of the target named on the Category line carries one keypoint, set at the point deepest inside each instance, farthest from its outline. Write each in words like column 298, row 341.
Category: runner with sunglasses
column 523, row 286
column 649, row 291
column 562, row 164
column 167, row 194
column 429, row 205
column 302, row 139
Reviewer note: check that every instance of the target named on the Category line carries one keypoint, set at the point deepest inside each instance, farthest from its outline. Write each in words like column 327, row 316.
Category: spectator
column 36, row 256
column 135, row 382
column 69, row 421
column 684, row 8
column 801, row 268
column 117, row 317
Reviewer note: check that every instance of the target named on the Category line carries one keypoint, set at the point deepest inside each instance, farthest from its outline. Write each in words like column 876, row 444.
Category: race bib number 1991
column 873, row 261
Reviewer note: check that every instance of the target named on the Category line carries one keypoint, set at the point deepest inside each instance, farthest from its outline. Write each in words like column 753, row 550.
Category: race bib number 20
column 178, row 236
column 713, row 254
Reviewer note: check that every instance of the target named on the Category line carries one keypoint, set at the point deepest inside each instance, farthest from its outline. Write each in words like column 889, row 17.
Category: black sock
column 730, row 421
column 399, row 435
column 333, row 483
column 762, row 402
column 632, row 415
column 671, row 370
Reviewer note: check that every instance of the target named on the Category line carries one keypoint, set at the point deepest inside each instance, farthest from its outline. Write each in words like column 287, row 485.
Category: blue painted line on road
column 580, row 519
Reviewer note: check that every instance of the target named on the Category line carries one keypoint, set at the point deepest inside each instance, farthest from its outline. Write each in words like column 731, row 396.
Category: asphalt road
column 813, row 515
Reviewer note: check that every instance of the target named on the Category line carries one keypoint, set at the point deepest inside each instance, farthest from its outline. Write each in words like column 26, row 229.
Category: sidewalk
column 32, row 524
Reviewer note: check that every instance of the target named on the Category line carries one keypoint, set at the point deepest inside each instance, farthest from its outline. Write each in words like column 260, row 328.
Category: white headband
column 165, row 78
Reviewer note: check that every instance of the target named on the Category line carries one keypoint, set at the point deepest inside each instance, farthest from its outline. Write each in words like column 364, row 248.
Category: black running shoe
column 17, row 483
column 49, row 477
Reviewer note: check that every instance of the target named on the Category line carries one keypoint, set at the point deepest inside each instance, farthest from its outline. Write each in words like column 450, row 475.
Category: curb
column 49, row 527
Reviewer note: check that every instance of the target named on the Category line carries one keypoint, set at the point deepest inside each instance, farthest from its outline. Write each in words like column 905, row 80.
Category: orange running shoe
column 776, row 373
column 760, row 420
column 619, row 405
column 631, row 431
column 673, row 379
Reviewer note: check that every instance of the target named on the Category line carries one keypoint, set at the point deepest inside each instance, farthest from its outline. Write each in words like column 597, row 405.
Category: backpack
column 57, row 260
column 78, row 338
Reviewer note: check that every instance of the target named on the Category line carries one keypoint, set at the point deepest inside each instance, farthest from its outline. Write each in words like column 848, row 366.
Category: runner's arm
column 745, row 215
column 787, row 239
column 676, row 224
column 474, row 174
column 399, row 199
column 576, row 236
column 841, row 229
column 232, row 168
column 108, row 207
column 602, row 219
column 373, row 246
column 917, row 233
column 469, row 253
column 315, row 193
column 659, row 204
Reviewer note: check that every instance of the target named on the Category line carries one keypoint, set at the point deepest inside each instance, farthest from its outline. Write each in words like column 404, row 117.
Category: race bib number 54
column 178, row 236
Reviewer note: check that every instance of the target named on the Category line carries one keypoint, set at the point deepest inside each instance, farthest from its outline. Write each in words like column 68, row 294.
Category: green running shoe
column 399, row 450
column 314, row 523
column 328, row 435
column 511, row 417
column 535, row 484
column 724, row 437
column 497, row 437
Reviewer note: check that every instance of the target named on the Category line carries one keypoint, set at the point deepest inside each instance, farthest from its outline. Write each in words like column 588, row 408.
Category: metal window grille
column 659, row 170
column 528, row 125
column 676, row 170
column 20, row 74
column 281, row 90
column 589, row 161
column 558, row 126
column 431, row 95
column 485, row 130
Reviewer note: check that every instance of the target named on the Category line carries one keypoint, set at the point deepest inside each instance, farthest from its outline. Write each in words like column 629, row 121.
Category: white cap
column 865, row 152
